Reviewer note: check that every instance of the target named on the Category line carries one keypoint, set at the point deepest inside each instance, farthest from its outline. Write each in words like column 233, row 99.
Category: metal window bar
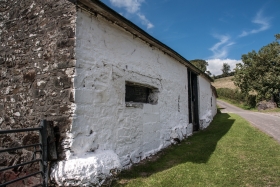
column 44, row 158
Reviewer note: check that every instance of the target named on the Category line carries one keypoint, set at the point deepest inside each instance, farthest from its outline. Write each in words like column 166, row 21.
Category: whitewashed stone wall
column 207, row 103
column 106, row 58
column 107, row 134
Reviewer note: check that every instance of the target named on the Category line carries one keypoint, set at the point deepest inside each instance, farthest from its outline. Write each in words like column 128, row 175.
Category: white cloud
column 260, row 20
column 215, row 65
column 145, row 21
column 220, row 49
column 133, row 7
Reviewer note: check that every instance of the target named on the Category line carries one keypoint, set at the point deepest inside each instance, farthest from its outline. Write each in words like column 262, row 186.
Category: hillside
column 225, row 82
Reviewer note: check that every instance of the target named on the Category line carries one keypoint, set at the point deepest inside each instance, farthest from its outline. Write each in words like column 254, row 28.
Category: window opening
column 139, row 93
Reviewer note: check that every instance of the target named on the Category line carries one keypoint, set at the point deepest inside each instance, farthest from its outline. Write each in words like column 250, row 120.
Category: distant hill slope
column 225, row 82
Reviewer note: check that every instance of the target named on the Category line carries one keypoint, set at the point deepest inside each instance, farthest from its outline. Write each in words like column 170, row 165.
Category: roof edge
column 98, row 8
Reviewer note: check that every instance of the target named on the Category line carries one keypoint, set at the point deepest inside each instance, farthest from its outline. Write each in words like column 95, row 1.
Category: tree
column 260, row 72
column 200, row 64
column 225, row 69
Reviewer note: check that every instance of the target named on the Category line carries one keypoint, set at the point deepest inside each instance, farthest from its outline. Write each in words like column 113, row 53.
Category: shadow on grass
column 197, row 149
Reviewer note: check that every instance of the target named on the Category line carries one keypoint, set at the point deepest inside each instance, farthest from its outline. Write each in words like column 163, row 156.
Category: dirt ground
column 273, row 113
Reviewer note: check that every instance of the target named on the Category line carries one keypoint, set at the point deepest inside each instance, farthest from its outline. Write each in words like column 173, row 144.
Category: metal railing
column 40, row 148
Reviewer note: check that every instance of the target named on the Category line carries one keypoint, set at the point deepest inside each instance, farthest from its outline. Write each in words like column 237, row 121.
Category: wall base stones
column 91, row 170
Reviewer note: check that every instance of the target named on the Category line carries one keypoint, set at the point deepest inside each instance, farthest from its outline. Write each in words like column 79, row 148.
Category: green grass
column 230, row 152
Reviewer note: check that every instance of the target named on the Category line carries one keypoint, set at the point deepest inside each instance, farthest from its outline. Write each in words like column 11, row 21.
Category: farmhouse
column 116, row 95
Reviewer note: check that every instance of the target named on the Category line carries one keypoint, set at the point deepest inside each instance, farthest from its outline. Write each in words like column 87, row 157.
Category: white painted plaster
column 106, row 57
column 89, row 170
column 206, row 111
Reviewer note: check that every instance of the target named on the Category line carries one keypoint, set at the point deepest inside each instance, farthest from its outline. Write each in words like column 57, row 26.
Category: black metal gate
column 39, row 154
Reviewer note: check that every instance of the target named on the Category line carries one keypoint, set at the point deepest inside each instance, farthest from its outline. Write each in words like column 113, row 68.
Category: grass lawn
column 230, row 152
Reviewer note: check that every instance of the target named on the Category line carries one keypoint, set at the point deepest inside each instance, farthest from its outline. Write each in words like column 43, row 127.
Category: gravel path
column 266, row 122
column 273, row 113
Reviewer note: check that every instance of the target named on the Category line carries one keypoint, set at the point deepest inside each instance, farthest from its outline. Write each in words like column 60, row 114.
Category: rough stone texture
column 37, row 60
column 264, row 105
column 11, row 175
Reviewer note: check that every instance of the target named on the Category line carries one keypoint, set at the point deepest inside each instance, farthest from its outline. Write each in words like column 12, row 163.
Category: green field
column 225, row 82
column 230, row 152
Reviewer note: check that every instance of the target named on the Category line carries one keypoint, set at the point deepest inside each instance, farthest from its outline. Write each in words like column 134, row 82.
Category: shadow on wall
column 197, row 149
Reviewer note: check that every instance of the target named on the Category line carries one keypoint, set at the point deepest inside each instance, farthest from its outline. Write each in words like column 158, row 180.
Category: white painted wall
column 207, row 110
column 107, row 56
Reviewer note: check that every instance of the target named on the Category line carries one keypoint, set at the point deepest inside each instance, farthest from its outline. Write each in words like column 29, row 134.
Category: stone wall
column 37, row 59
column 108, row 58
column 40, row 79
column 207, row 103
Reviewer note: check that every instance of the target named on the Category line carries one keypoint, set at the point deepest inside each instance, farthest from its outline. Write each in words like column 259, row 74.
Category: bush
column 233, row 94
column 237, row 96
column 251, row 101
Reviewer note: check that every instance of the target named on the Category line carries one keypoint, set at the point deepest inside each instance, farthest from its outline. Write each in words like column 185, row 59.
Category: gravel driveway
column 266, row 122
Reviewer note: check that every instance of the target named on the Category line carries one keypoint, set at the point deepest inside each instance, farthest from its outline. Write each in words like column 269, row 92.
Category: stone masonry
column 37, row 60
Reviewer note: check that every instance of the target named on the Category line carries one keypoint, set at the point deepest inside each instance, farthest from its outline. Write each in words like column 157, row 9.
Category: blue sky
column 217, row 31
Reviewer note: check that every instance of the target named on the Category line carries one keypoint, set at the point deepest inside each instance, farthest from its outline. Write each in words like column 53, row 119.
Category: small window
column 139, row 93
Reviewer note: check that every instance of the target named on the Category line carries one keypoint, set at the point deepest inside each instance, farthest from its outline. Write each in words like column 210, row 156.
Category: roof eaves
column 98, row 8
